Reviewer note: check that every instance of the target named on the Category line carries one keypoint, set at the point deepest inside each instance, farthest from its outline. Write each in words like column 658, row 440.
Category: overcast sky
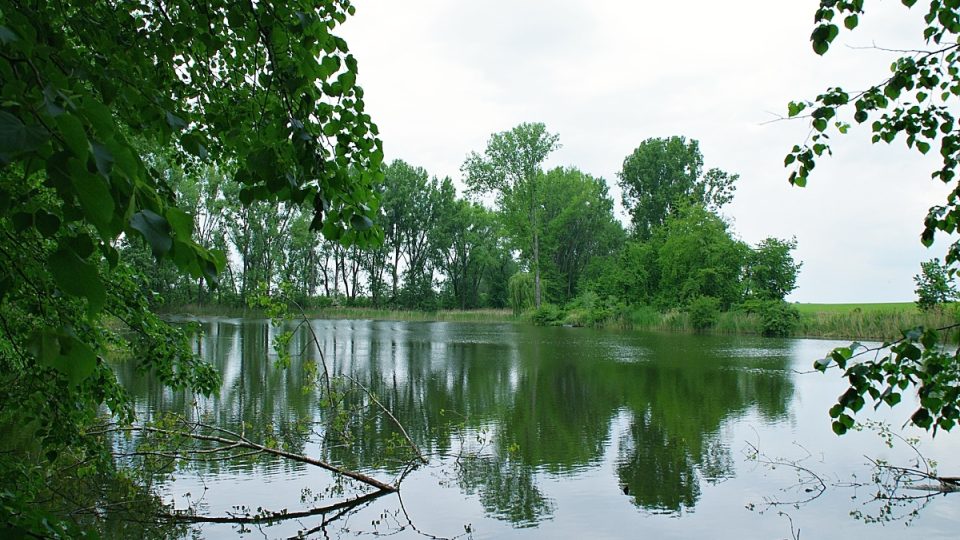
column 441, row 76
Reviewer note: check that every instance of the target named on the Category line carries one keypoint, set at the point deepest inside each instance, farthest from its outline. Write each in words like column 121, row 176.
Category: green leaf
column 194, row 145
column 361, row 223
column 94, row 196
column 154, row 229
column 851, row 21
column 180, row 222
column 8, row 36
column 77, row 277
column 72, row 131
column 103, row 158
column 46, row 223
column 17, row 138
column 922, row 418
column 76, row 361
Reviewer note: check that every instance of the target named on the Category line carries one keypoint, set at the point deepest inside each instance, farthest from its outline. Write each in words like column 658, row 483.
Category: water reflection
column 542, row 402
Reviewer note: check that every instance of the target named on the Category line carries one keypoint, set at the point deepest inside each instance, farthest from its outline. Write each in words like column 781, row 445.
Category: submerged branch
column 268, row 516
column 393, row 418
column 242, row 442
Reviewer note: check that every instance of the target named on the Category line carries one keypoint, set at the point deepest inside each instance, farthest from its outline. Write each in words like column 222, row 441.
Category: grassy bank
column 836, row 321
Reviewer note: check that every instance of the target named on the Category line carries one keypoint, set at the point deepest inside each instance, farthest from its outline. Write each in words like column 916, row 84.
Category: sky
column 441, row 76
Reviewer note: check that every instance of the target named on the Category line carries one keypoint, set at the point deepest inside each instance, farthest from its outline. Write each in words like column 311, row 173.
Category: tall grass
column 837, row 321
column 879, row 324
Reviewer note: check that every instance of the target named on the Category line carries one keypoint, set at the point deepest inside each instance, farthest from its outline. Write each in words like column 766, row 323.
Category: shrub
column 777, row 318
column 704, row 312
column 548, row 315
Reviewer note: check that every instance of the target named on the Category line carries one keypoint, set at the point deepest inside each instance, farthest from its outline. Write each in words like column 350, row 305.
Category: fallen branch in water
column 267, row 516
column 393, row 418
column 235, row 441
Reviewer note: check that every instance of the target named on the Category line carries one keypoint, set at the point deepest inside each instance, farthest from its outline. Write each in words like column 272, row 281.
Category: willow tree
column 509, row 168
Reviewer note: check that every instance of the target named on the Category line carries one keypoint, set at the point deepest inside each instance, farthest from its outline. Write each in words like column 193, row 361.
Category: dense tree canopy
column 102, row 106
column 662, row 175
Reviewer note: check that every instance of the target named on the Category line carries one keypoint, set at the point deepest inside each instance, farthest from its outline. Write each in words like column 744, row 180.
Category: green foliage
column 884, row 373
column 589, row 309
column 578, row 226
column 520, row 289
column 915, row 102
column 509, row 168
column 704, row 312
column 771, row 272
column 777, row 318
column 697, row 256
column 547, row 315
column 662, row 175
column 935, row 285
column 115, row 120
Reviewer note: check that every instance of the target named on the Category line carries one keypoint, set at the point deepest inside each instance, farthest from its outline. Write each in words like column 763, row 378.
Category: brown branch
column 241, row 442
column 275, row 516
column 393, row 418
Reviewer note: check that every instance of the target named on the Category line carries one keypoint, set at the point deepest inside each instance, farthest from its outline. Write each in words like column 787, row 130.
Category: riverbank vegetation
column 132, row 180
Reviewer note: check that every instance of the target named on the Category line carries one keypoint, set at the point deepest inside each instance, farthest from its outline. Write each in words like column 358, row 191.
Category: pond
column 543, row 433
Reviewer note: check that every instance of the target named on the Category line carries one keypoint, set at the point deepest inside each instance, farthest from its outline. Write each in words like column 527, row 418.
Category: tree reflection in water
column 552, row 400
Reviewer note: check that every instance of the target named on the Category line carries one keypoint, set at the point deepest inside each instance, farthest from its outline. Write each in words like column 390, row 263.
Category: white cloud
column 441, row 76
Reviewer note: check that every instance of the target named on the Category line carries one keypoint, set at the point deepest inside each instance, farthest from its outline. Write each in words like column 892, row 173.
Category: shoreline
column 817, row 321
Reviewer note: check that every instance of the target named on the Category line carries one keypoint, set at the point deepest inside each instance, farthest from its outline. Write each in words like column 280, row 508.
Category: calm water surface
column 543, row 433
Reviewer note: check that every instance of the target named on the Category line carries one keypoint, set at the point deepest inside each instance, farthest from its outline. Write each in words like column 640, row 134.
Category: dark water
column 545, row 433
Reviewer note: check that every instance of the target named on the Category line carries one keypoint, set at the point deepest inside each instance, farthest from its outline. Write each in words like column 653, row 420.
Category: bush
column 704, row 312
column 777, row 318
column 548, row 315
column 589, row 309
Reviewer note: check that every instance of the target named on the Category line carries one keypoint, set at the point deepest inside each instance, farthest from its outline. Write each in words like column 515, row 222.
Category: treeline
column 546, row 240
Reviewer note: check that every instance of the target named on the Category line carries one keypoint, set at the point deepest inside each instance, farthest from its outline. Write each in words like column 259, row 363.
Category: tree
column 935, row 286
column 771, row 272
column 578, row 226
column 661, row 175
column 698, row 257
column 90, row 92
column 915, row 103
column 508, row 168
column 466, row 238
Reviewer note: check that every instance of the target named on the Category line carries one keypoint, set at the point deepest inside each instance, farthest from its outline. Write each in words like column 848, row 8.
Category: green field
column 891, row 307
column 881, row 321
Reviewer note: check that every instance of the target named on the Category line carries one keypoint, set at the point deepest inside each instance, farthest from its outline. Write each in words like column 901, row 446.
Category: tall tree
column 508, row 168
column 578, row 225
column 662, row 175
column 935, row 285
column 466, row 237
